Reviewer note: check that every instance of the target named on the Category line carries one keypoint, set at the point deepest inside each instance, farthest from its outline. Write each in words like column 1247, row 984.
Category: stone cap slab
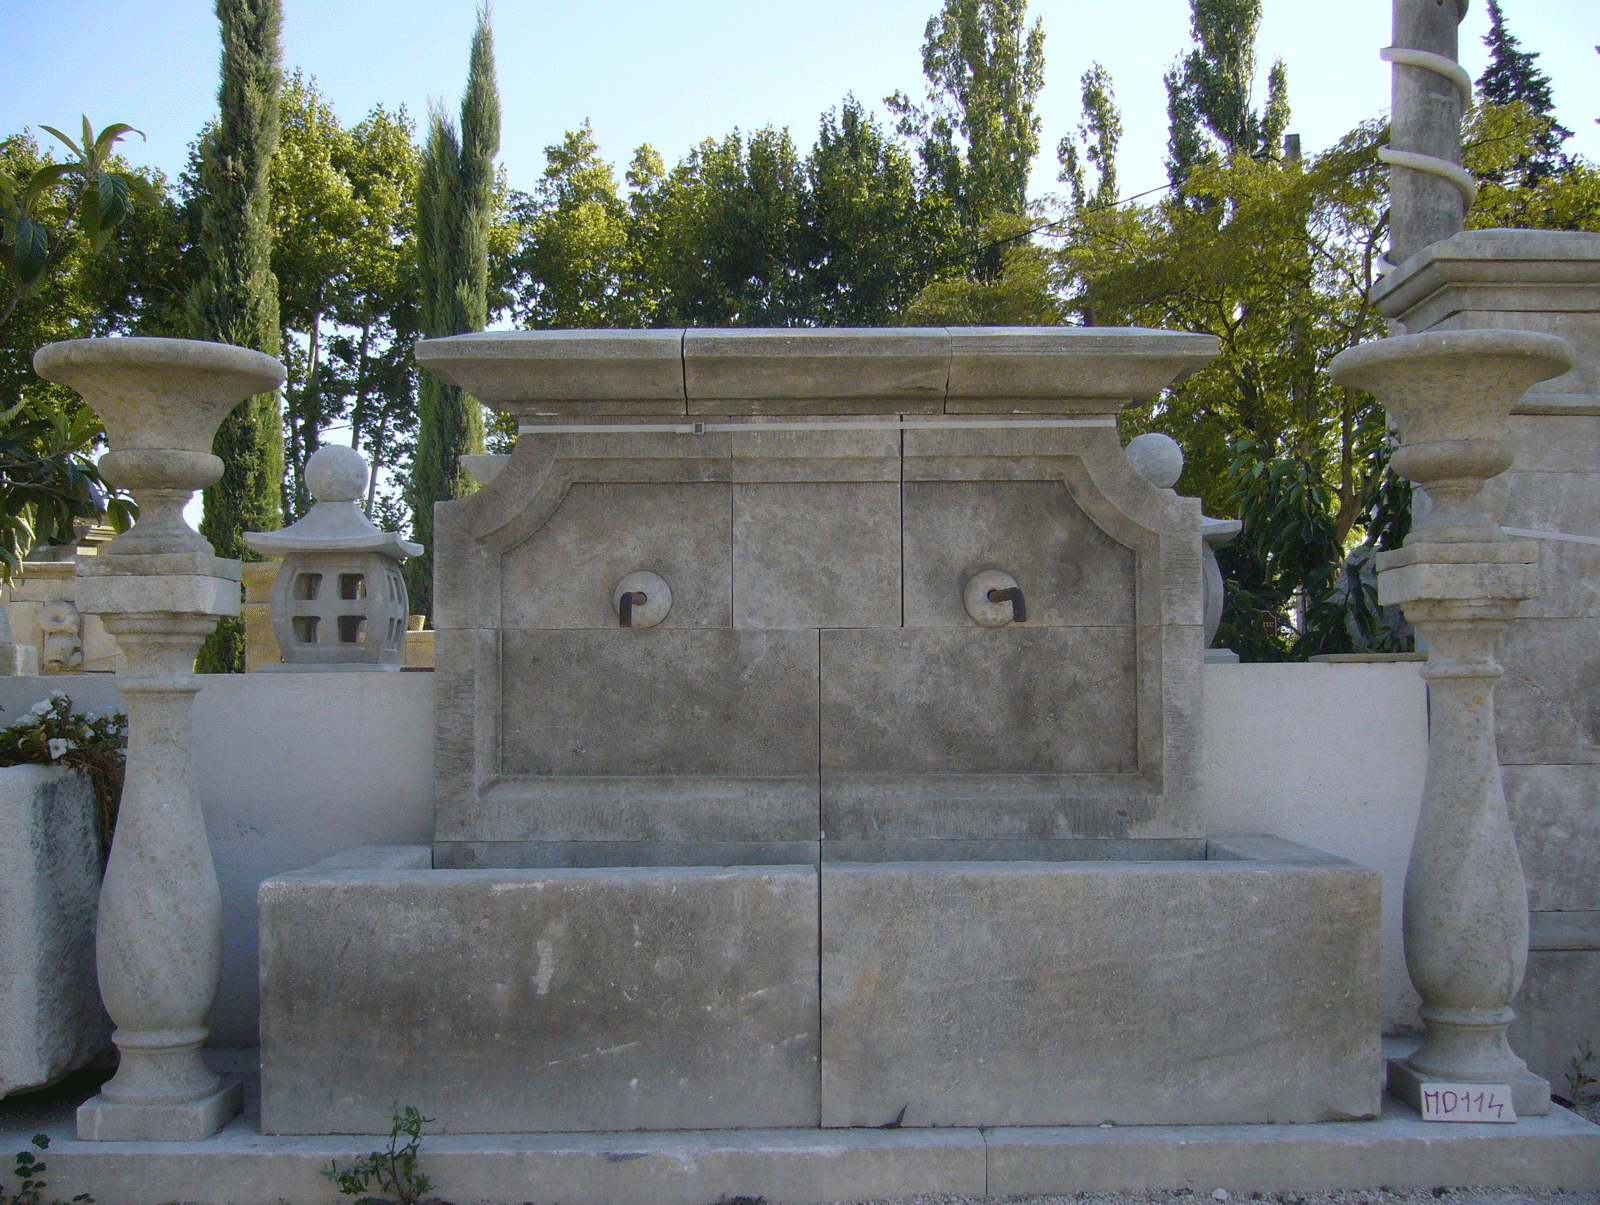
column 931, row 370
column 1499, row 258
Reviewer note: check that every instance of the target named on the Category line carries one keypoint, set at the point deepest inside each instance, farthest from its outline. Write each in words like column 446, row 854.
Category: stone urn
column 1459, row 580
column 160, row 590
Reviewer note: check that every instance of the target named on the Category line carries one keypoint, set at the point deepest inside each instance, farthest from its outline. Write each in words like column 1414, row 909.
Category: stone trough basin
column 1238, row 988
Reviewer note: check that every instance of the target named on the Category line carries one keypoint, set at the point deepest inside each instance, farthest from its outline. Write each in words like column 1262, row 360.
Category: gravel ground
column 1421, row 1196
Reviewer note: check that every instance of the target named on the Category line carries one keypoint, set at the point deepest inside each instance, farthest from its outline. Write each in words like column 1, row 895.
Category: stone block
column 598, row 703
column 101, row 1120
column 1554, row 502
column 550, row 855
column 1553, row 443
column 816, row 555
column 1547, row 706
column 1074, row 994
column 1055, row 370
column 565, row 574
column 534, row 374
column 539, row 1000
column 1557, row 1010
column 51, row 1018
column 793, row 371
column 1011, row 700
column 659, row 809
column 1555, row 811
column 1071, row 572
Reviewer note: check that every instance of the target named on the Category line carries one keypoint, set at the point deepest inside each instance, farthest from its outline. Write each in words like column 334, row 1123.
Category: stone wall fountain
column 877, row 801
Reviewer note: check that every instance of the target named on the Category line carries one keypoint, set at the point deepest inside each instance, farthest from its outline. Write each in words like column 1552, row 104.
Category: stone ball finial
column 1157, row 458
column 336, row 474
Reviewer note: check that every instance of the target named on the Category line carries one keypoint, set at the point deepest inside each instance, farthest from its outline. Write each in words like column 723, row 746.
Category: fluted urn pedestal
column 160, row 590
column 1459, row 580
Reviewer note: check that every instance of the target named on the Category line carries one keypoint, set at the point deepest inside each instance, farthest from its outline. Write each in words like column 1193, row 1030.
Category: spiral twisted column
column 1429, row 191
column 160, row 590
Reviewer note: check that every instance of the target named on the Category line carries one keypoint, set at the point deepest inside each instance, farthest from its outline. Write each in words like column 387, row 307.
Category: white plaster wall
column 1330, row 756
column 294, row 767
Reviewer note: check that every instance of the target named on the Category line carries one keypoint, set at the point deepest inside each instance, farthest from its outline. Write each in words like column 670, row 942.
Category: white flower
column 58, row 694
column 58, row 747
column 42, row 707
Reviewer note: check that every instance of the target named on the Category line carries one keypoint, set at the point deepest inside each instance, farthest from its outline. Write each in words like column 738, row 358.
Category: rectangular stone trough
column 1238, row 988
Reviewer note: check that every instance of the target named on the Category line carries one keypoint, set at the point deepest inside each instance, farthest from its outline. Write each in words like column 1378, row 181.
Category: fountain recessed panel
column 645, row 823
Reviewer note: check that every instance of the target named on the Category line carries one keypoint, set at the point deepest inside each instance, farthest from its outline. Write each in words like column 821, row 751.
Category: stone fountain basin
column 1241, row 987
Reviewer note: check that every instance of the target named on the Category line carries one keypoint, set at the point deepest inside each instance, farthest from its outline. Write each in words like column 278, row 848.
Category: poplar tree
column 455, row 211
column 979, row 131
column 236, row 299
column 1209, row 109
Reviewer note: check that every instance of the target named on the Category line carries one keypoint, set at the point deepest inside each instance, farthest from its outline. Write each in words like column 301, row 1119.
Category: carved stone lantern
column 338, row 602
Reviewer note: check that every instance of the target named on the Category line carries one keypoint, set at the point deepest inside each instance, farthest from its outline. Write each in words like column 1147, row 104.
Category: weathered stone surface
column 532, row 374
column 564, row 576
column 1052, row 994
column 1071, row 572
column 1397, row 1151
column 791, row 371
column 51, row 1018
column 1053, row 370
column 598, row 703
column 1556, row 502
column 788, row 1166
column 543, row 1000
column 1547, row 707
column 1012, row 700
column 816, row 555
column 1555, row 810
column 527, row 855
column 1558, row 1008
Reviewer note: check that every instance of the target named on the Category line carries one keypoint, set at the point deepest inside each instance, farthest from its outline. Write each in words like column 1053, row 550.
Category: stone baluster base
column 159, row 939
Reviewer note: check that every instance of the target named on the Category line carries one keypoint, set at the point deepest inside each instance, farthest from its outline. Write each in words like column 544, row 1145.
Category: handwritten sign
column 1467, row 1102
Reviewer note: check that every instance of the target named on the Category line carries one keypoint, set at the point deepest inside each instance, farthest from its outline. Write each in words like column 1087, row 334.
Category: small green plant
column 50, row 733
column 392, row 1172
column 1579, row 1081
column 30, row 1188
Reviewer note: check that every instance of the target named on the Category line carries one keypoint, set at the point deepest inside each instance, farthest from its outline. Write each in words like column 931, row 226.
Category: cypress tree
column 455, row 208
column 236, row 299
column 1512, row 75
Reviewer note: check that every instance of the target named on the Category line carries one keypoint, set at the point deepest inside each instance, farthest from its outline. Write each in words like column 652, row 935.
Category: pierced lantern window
column 338, row 601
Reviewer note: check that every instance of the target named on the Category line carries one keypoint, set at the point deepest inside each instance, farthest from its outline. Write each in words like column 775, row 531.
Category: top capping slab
column 794, row 371
column 1125, row 365
column 974, row 370
column 532, row 373
column 1490, row 257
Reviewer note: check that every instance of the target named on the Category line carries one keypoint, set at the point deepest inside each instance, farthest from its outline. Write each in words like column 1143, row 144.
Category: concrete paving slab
column 1399, row 1151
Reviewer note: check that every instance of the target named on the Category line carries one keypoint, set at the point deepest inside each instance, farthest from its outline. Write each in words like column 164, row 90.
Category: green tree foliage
column 743, row 231
column 343, row 217
column 236, row 299
column 872, row 237
column 98, row 200
column 1099, row 133
column 1513, row 76
column 578, row 264
column 1209, row 91
column 84, row 285
column 978, row 133
column 455, row 217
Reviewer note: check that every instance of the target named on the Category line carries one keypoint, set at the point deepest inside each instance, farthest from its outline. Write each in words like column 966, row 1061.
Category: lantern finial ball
column 336, row 474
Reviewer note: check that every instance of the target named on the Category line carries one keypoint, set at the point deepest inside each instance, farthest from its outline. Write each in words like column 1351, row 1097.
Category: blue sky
column 671, row 72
